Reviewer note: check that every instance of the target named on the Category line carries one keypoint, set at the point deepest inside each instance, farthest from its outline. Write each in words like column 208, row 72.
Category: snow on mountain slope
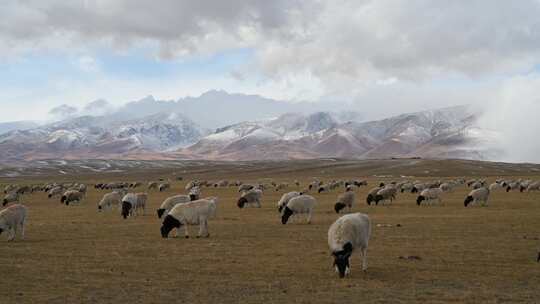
column 101, row 135
column 429, row 133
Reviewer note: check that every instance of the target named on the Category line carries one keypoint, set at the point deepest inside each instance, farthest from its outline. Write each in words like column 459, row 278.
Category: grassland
column 73, row 254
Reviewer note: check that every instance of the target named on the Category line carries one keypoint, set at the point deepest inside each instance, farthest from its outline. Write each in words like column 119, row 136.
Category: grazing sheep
column 347, row 233
column 132, row 203
column 11, row 197
column 371, row 195
column 252, row 197
column 110, row 200
column 9, row 188
column 245, row 187
column 429, row 195
column 477, row 195
column 282, row 186
column 285, row 198
column 385, row 194
column 534, row 186
column 172, row 201
column 164, row 186
column 495, row 186
column 302, row 204
column 324, row 188
column 11, row 219
column 153, row 185
column 345, row 200
column 513, row 186
column 406, row 187
column 446, row 187
column 195, row 193
column 192, row 184
column 55, row 191
column 72, row 196
column 417, row 188
column 193, row 213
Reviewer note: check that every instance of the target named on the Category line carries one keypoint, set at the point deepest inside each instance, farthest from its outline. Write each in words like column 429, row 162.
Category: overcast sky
column 382, row 56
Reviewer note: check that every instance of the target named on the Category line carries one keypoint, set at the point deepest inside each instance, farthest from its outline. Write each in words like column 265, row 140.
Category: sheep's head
column 63, row 199
column 341, row 260
column 468, row 200
column 321, row 189
column 241, row 202
column 126, row 208
column 381, row 185
column 369, row 199
column 287, row 212
column 339, row 206
column 280, row 208
column 414, row 190
column 160, row 212
column 420, row 199
column 99, row 208
column 168, row 224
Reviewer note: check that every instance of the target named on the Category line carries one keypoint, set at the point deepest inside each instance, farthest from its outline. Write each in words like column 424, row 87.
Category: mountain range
column 261, row 129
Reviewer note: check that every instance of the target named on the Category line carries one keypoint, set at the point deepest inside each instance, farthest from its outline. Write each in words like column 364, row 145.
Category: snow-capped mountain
column 168, row 130
column 449, row 132
column 101, row 136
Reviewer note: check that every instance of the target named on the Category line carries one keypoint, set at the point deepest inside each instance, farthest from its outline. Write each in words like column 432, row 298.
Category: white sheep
column 346, row 234
column 164, row 186
column 193, row 213
column 385, row 194
column 346, row 199
column 245, row 187
column 110, row 200
column 477, row 195
column 72, row 196
column 252, row 197
column 170, row 202
column 55, row 191
column 371, row 194
column 11, row 219
column 194, row 193
column 495, row 186
column 285, row 198
column 132, row 203
column 152, row 185
column 302, row 204
column 11, row 197
column 534, row 186
column 446, row 187
column 429, row 195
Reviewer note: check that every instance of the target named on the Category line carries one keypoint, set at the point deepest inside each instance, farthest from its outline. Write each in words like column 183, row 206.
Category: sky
column 382, row 57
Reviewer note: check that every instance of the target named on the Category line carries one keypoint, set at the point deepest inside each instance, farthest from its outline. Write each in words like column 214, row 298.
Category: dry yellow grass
column 73, row 254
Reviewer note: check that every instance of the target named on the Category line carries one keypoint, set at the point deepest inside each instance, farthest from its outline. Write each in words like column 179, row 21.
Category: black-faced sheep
column 349, row 232
column 302, row 204
column 477, row 195
column 193, row 213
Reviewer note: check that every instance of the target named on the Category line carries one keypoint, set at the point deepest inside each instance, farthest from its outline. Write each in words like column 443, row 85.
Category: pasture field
column 73, row 254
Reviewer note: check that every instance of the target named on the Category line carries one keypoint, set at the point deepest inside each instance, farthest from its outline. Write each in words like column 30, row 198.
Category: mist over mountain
column 217, row 108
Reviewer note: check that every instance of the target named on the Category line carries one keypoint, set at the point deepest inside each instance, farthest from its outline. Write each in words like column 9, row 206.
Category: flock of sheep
column 349, row 233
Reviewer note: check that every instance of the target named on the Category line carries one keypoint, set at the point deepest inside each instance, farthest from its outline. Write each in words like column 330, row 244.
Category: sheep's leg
column 186, row 232
column 364, row 259
column 309, row 217
column 11, row 235
column 203, row 229
column 22, row 230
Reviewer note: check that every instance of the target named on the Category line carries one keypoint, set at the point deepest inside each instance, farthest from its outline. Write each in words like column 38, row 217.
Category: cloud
column 382, row 57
